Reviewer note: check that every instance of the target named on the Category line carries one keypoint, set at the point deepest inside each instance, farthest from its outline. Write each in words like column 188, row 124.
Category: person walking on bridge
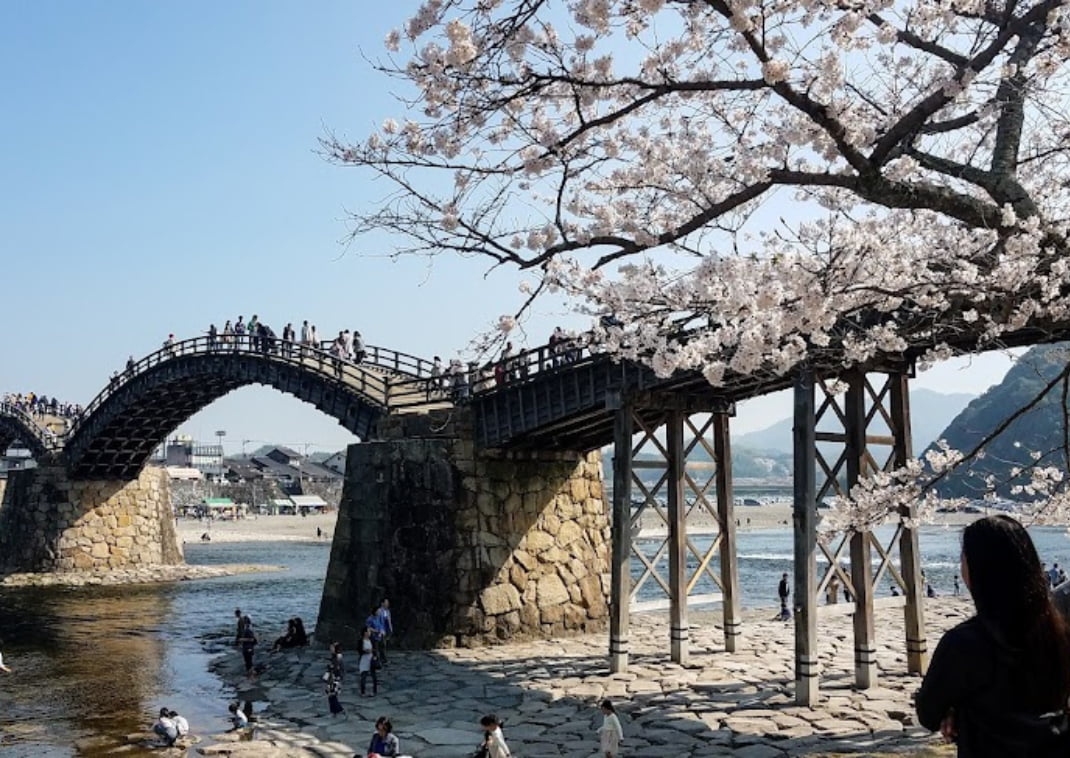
column 287, row 340
column 358, row 347
column 239, row 332
column 306, row 337
column 213, row 335
column 254, row 334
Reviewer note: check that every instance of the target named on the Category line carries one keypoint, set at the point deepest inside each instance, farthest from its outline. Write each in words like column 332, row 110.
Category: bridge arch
column 127, row 421
column 16, row 425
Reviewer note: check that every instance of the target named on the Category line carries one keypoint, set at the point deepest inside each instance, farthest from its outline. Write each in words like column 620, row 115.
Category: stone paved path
column 722, row 704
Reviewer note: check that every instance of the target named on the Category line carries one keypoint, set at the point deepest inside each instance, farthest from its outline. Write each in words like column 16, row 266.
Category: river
column 95, row 664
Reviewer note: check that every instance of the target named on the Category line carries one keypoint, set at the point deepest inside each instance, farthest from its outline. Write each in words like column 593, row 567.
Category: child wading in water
column 610, row 732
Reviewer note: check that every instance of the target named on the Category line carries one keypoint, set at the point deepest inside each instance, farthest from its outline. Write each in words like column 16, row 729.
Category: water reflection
column 93, row 665
column 92, row 656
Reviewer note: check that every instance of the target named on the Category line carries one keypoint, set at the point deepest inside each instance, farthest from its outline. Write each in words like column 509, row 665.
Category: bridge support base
column 49, row 522
column 469, row 547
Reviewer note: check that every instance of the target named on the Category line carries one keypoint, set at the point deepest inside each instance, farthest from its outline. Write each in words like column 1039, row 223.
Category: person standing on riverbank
column 386, row 627
column 248, row 643
column 336, row 664
column 333, row 690
column 368, row 664
column 239, row 630
column 999, row 682
column 611, row 734
column 784, row 592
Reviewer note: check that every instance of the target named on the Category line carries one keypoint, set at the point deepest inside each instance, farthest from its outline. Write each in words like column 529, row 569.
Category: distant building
column 183, row 452
column 336, row 462
column 15, row 459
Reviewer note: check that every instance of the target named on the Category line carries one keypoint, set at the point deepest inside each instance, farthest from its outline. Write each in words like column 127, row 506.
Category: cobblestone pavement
column 547, row 692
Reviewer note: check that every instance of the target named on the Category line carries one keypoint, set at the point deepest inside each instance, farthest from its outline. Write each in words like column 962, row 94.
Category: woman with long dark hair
column 999, row 683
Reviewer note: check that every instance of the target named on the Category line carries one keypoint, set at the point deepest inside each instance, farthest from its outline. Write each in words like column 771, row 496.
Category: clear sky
column 160, row 173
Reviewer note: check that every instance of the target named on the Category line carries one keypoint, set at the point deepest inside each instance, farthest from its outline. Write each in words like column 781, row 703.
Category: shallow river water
column 95, row 664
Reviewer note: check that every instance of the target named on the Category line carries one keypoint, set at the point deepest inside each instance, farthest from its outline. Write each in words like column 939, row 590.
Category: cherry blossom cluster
column 747, row 186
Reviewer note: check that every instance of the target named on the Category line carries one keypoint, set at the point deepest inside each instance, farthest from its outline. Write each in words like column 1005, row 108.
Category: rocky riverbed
column 138, row 575
column 722, row 704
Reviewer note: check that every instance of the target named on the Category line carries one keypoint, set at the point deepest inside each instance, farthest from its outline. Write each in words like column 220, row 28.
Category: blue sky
column 160, row 173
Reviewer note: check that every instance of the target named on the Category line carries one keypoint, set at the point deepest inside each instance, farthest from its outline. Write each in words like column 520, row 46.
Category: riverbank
column 548, row 692
column 765, row 516
column 260, row 529
column 139, row 575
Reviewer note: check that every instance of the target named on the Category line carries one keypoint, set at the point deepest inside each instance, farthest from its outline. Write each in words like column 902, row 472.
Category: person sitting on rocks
column 181, row 724
column 295, row 636
column 165, row 727
column 384, row 744
column 238, row 719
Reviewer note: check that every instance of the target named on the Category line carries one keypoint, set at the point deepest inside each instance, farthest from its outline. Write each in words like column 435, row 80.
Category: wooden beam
column 722, row 446
column 620, row 577
column 861, row 566
column 678, row 628
column 909, row 553
column 804, row 520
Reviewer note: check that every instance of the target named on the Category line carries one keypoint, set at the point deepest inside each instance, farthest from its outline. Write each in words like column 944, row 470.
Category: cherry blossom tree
column 635, row 155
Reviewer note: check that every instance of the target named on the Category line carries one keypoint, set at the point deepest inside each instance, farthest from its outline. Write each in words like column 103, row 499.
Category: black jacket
column 978, row 677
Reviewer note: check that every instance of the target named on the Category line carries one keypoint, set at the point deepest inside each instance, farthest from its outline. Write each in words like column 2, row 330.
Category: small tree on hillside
column 917, row 153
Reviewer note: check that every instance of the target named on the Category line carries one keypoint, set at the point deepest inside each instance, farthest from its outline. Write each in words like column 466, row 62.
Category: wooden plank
column 861, row 553
column 621, row 530
column 678, row 628
column 722, row 445
column 804, row 521
column 909, row 553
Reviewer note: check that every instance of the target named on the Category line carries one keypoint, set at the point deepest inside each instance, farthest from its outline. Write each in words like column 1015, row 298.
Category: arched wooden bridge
column 117, row 432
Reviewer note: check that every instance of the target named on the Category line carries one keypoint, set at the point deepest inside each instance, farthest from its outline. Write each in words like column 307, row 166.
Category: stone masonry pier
column 472, row 546
column 49, row 522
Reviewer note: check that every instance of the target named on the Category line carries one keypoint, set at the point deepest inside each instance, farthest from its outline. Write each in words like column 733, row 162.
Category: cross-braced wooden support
column 850, row 450
column 676, row 480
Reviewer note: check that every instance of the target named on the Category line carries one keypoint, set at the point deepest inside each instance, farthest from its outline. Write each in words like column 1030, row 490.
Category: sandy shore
column 766, row 516
column 303, row 528
column 260, row 529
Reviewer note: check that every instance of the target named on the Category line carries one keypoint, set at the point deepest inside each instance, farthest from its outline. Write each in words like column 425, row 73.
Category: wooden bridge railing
column 317, row 357
column 444, row 384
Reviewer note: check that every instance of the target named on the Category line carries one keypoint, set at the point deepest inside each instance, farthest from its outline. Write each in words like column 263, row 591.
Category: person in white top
column 181, row 725
column 493, row 739
column 165, row 727
column 367, row 664
column 238, row 719
column 3, row 668
column 610, row 733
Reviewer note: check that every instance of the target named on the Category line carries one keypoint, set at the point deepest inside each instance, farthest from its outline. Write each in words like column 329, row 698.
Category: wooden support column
column 909, row 554
column 804, row 520
column 678, row 628
column 861, row 548
column 722, row 450
column 620, row 578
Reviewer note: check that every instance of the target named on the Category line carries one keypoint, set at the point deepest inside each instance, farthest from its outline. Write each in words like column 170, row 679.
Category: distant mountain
column 1040, row 429
column 930, row 414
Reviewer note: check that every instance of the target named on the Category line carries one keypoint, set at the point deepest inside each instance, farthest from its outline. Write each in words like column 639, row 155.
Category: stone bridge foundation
column 471, row 547
column 49, row 522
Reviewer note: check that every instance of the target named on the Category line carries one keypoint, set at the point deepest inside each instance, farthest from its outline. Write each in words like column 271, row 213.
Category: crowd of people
column 41, row 406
